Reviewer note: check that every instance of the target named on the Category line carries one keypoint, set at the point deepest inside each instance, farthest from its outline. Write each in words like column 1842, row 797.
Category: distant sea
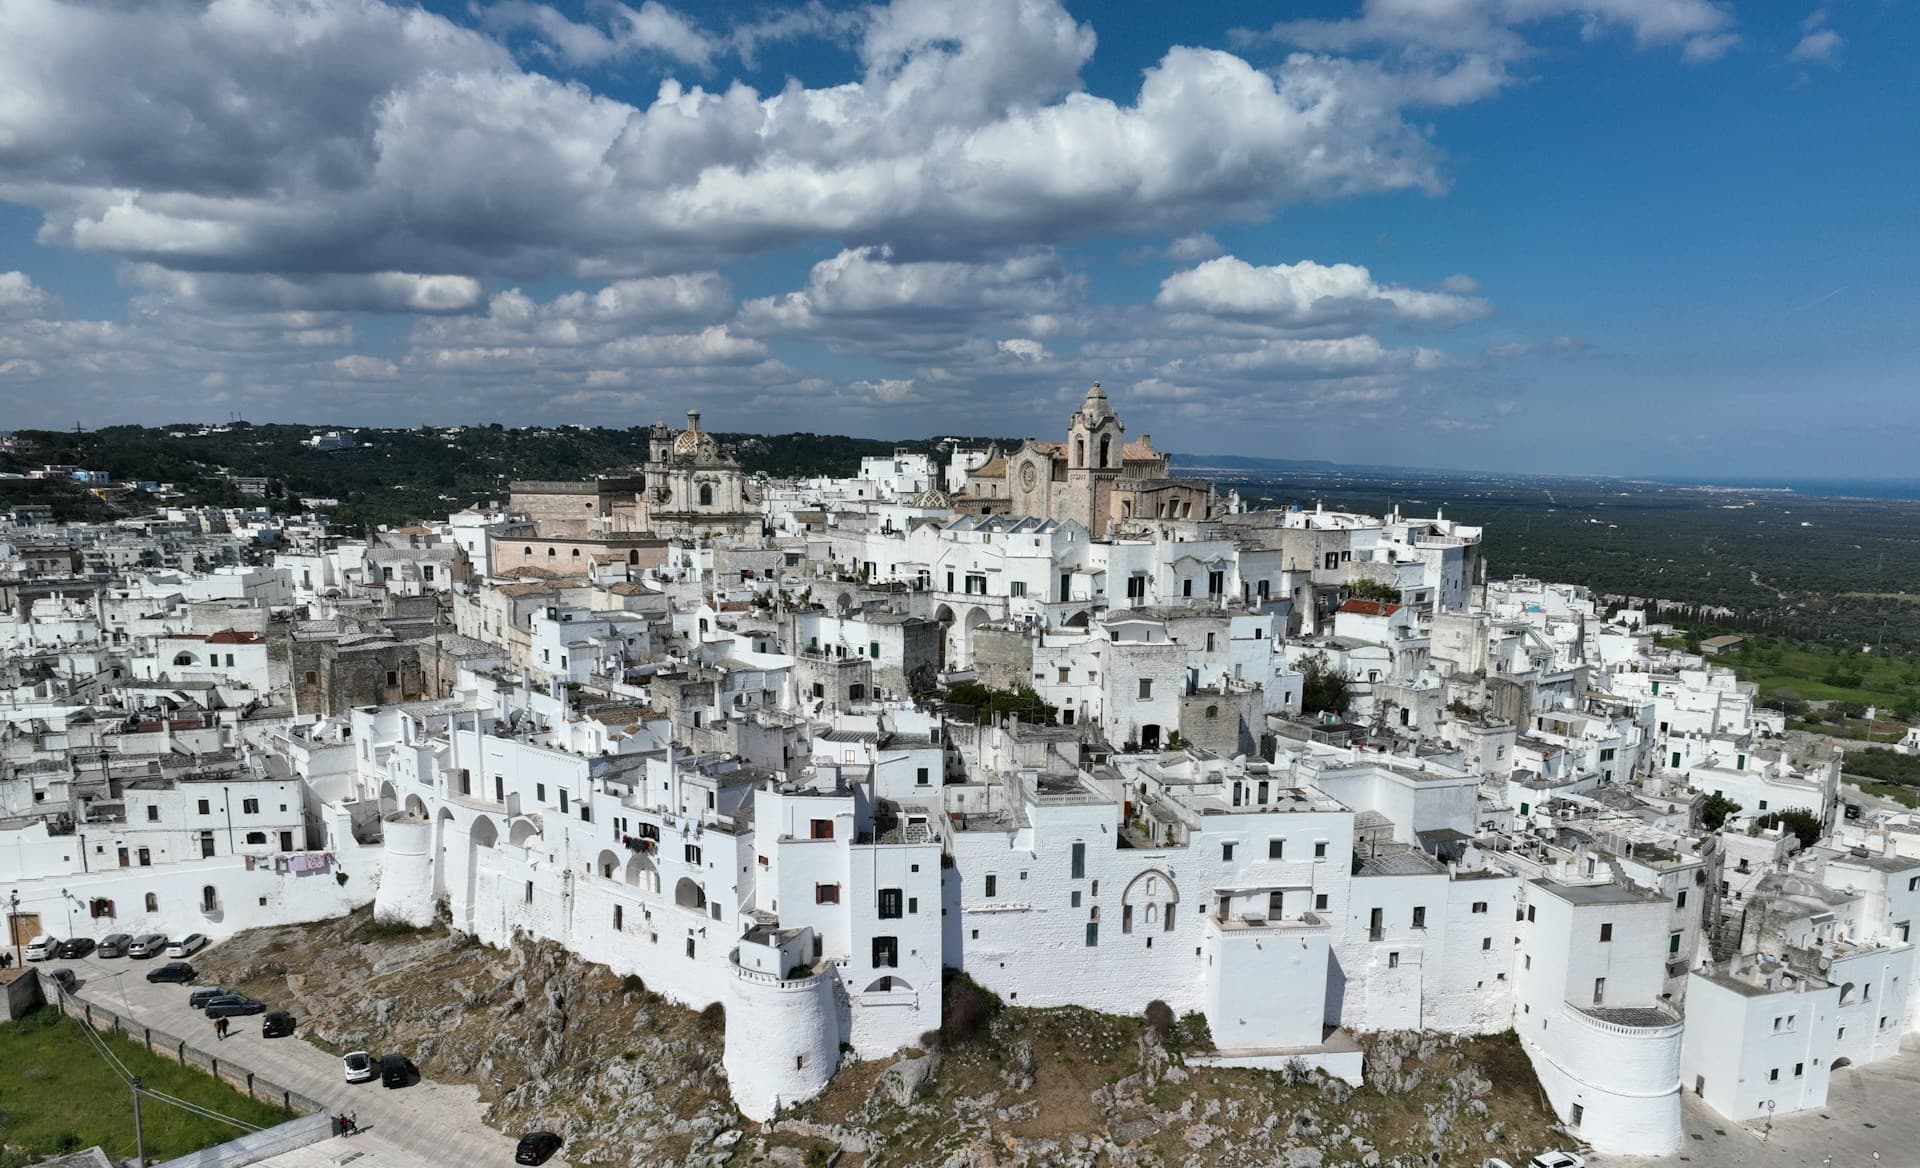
column 1838, row 488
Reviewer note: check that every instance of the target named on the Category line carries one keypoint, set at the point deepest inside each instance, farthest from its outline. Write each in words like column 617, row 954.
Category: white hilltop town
column 701, row 727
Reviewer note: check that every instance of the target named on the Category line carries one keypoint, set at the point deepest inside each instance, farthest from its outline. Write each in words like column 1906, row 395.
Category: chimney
column 693, row 421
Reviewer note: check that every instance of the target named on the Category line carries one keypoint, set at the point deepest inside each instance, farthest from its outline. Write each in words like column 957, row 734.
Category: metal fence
column 187, row 1054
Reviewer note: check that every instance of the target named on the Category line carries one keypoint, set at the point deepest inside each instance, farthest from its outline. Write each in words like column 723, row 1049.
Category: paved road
column 1871, row 1120
column 436, row 1122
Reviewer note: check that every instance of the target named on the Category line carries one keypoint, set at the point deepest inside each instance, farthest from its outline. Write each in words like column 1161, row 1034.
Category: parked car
column 397, row 1070
column 187, row 946
column 113, row 945
column 42, row 947
column 536, row 1147
column 277, row 1024
column 1556, row 1159
column 65, row 977
column 175, row 971
column 75, row 947
column 233, row 1005
column 359, row 1066
column 201, row 995
column 148, row 945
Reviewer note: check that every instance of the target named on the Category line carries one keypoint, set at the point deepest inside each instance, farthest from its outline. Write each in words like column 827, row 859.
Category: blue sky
column 1613, row 236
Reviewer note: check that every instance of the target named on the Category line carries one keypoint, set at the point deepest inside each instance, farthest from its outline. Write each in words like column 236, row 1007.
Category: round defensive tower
column 782, row 1043
column 406, row 872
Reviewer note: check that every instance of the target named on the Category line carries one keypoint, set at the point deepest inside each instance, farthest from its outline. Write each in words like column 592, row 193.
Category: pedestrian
column 220, row 1029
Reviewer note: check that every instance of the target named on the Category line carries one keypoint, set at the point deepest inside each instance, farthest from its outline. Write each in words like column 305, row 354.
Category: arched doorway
column 389, row 800
column 949, row 651
column 417, row 808
column 642, row 873
column 688, row 894
column 975, row 618
column 607, row 867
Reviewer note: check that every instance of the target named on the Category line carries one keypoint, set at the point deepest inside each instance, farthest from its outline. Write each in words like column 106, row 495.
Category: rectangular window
column 540, row 792
column 921, row 778
column 1393, row 960
column 993, row 886
column 1276, row 849
column 1319, row 848
column 820, row 829
column 1065, row 674
column 826, row 894
column 1420, row 916
column 1226, row 852
column 619, row 917
column 563, row 800
column 1486, row 944
column 1136, row 587
column 886, row 952
column 1093, row 933
column 1606, row 931
column 1146, row 688
column 692, row 854
column 891, row 900
column 873, row 649
column 1599, row 990
column 1216, row 583
column 1680, row 901
column 206, row 808
column 1079, row 861
column 1673, row 943
column 1320, row 900
column 1017, row 588
column 1479, row 906
column 249, row 806
column 1074, row 900
column 146, row 858
column 153, row 813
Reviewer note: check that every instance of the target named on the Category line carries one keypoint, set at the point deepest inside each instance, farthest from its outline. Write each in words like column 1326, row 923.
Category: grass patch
column 1905, row 796
column 389, row 929
column 60, row 1096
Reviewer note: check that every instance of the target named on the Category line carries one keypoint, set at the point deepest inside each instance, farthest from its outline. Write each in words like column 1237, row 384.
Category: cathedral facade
column 1096, row 478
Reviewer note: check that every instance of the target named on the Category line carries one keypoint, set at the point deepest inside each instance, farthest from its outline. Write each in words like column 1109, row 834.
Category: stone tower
column 1096, row 442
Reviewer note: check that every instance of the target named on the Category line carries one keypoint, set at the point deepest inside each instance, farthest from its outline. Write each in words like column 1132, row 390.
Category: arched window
column 209, row 899
column 153, row 903
column 552, row 552
column 1106, row 450
column 1079, row 452
column 528, row 550
column 633, row 557
column 706, row 494
column 183, row 659
column 576, row 553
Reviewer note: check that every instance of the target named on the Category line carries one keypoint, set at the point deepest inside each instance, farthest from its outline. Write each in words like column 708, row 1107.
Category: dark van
column 397, row 1070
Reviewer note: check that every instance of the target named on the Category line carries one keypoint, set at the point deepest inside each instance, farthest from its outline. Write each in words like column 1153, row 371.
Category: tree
column 1716, row 810
column 1323, row 689
column 1803, row 824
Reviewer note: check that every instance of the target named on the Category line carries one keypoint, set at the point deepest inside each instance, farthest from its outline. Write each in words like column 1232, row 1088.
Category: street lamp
column 13, row 925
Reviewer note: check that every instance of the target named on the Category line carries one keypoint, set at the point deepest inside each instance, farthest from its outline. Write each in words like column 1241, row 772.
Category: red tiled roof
column 1370, row 607
column 234, row 637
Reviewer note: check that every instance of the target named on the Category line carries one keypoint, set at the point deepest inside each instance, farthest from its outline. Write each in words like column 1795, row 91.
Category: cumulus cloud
column 19, row 296
column 1306, row 295
column 370, row 292
column 352, row 136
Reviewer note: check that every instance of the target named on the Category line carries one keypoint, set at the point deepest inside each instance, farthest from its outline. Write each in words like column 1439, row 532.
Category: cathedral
column 693, row 488
column 1096, row 478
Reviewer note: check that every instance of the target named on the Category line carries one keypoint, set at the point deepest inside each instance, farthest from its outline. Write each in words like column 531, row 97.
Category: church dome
column 933, row 497
column 692, row 441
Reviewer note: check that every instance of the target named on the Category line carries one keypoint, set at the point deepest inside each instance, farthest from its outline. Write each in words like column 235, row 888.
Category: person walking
column 220, row 1029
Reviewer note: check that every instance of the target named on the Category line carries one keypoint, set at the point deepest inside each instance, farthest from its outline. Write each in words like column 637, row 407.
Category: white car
column 41, row 948
column 359, row 1066
column 187, row 946
column 1556, row 1159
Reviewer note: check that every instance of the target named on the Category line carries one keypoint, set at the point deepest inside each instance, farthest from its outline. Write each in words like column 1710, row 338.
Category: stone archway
column 417, row 808
column 1149, row 902
column 607, row 866
column 976, row 617
column 389, row 800
column 642, row 873
column 949, row 651
column 688, row 894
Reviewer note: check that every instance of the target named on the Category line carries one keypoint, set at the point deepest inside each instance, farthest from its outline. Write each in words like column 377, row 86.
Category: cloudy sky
column 1588, row 235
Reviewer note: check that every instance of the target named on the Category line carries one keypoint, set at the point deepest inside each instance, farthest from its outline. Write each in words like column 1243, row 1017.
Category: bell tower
column 1094, row 434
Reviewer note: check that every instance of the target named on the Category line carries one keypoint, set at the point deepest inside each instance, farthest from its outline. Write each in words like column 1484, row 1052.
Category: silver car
column 147, row 945
column 113, row 945
column 188, row 945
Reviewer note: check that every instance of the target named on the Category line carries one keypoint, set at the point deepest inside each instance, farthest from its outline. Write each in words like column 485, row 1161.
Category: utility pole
column 139, row 1133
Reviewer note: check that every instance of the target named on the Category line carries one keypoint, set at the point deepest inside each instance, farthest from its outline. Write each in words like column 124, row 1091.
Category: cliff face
column 628, row 1078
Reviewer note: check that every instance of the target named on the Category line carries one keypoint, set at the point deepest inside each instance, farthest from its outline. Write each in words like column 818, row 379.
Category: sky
column 1632, row 237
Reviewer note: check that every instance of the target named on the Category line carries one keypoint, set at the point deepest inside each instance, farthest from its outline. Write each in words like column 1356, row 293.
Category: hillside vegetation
column 628, row 1078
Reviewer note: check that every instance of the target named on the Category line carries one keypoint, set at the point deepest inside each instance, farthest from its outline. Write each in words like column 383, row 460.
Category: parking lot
column 1870, row 1120
column 437, row 1123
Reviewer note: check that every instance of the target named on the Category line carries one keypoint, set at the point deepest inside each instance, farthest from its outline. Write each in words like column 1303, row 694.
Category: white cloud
column 371, row 292
column 1024, row 349
column 1191, row 248
column 361, row 367
column 355, row 137
column 650, row 28
column 1490, row 27
column 19, row 296
column 1305, row 295
column 1821, row 46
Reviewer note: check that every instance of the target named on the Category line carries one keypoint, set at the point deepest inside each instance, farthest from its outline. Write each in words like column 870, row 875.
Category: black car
column 198, row 999
column 397, row 1070
column 536, row 1148
column 278, row 1024
column 64, row 976
column 233, row 1004
column 178, row 971
column 74, row 947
